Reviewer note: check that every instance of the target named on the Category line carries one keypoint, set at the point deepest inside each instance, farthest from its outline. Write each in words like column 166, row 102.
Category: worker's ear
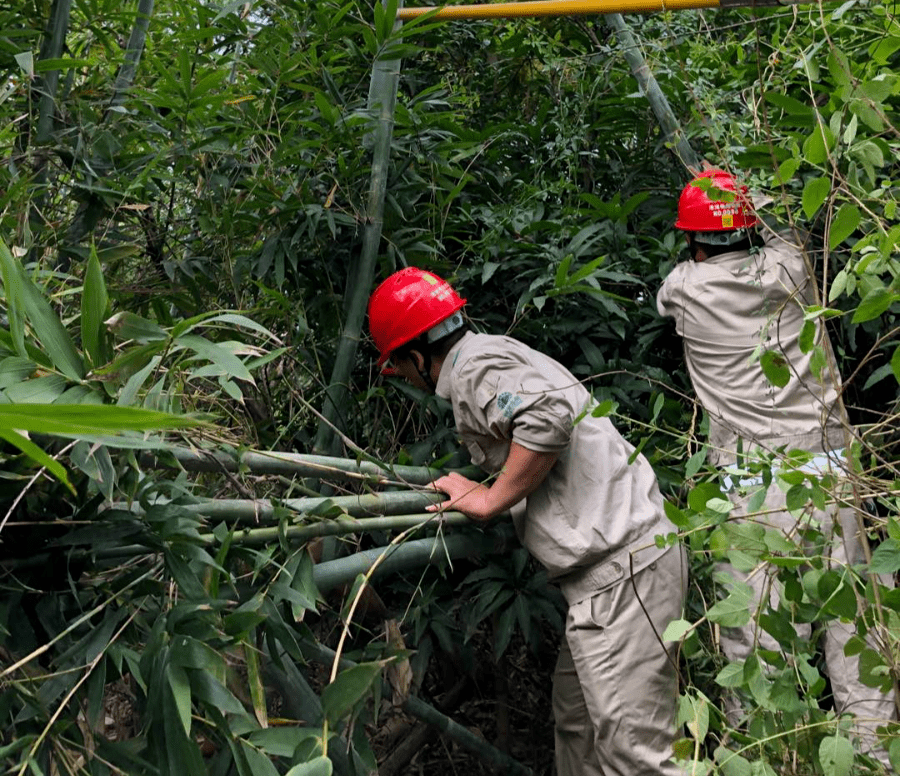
column 418, row 359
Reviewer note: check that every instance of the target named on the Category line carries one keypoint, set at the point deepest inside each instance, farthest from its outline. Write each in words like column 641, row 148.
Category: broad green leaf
column 874, row 304
column 843, row 224
column 733, row 611
column 731, row 763
column 694, row 464
column 886, row 558
column 775, row 368
column 731, row 675
column 605, row 408
column 836, row 756
column 15, row 369
column 815, row 192
column 790, row 105
column 348, row 688
column 94, row 302
column 321, row 766
column 676, row 630
column 807, row 338
column 818, row 144
column 38, row 390
column 895, row 363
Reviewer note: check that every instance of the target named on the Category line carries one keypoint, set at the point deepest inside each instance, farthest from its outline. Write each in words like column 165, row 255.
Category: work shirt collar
column 442, row 388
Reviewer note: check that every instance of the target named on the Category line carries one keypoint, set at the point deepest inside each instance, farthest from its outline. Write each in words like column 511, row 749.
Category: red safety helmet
column 406, row 305
column 700, row 212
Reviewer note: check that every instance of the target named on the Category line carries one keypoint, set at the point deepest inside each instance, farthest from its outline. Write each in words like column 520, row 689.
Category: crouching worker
column 586, row 513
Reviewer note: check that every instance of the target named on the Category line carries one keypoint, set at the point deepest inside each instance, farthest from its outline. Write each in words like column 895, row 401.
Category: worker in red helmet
column 738, row 298
column 585, row 505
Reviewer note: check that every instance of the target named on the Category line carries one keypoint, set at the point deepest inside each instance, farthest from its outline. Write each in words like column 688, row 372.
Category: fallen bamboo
column 456, row 546
column 298, row 465
column 259, row 511
column 412, row 554
column 537, row 8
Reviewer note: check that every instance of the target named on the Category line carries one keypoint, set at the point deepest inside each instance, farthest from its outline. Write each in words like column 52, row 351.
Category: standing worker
column 586, row 513
column 736, row 297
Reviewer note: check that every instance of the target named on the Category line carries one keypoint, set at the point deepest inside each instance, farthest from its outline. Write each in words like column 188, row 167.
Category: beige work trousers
column 871, row 707
column 615, row 688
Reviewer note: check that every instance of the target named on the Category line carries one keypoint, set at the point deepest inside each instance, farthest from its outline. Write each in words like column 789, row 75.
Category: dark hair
column 752, row 240
column 437, row 349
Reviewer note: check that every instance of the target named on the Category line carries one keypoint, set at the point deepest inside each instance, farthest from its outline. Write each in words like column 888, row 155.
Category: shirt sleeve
column 669, row 297
column 507, row 399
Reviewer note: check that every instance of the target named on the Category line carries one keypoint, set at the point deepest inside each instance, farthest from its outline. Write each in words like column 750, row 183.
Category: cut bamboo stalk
column 411, row 555
column 339, row 526
column 581, row 8
column 260, row 512
column 300, row 465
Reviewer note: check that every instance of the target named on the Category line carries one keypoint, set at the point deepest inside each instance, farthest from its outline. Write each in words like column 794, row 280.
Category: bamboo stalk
column 411, row 555
column 580, row 8
column 340, row 526
column 133, row 53
column 370, row 505
column 293, row 535
column 672, row 130
column 383, row 87
column 300, row 465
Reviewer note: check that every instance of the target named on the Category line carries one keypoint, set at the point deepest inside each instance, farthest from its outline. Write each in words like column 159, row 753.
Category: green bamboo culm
column 133, row 52
column 383, row 87
column 671, row 128
column 299, row 465
column 369, row 506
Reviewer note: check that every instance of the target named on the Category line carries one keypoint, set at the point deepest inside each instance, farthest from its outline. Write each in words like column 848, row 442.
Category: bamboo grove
column 216, row 551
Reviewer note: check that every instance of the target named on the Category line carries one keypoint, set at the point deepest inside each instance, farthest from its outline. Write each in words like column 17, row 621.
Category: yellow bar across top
column 561, row 8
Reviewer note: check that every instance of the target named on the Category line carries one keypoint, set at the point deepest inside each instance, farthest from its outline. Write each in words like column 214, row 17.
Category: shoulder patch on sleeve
column 507, row 402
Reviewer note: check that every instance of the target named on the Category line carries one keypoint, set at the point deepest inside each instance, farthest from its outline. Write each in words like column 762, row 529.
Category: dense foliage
column 184, row 199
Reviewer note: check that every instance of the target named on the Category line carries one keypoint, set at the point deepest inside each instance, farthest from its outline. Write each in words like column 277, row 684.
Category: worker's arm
column 523, row 471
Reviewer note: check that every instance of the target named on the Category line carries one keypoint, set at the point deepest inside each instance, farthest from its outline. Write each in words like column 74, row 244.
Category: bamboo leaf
column 128, row 326
column 79, row 419
column 895, row 363
column 218, row 355
column 49, row 330
column 320, row 766
column 94, row 302
column 12, row 291
column 339, row 697
column 181, row 692
column 37, row 455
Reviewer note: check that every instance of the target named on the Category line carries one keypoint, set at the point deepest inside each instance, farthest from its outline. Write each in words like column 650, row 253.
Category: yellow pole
column 554, row 8
column 582, row 7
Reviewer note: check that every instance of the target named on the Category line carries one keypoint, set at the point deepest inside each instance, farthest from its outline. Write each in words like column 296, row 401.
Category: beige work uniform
column 725, row 308
column 592, row 524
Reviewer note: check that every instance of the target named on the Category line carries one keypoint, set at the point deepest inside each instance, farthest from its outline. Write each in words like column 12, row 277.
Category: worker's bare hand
column 466, row 496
